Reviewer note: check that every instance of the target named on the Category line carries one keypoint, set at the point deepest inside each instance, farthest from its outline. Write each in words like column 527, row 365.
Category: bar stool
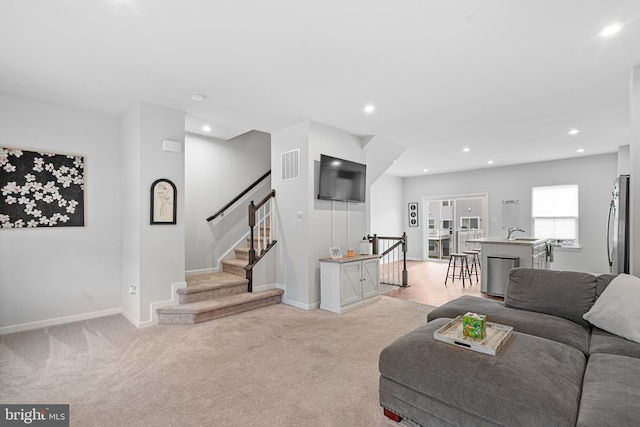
column 474, row 255
column 464, row 268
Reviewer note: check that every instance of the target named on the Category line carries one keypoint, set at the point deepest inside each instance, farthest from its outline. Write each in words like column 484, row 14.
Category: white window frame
column 469, row 220
column 567, row 199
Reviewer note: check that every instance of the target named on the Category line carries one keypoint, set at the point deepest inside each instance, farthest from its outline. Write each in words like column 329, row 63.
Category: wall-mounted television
column 342, row 180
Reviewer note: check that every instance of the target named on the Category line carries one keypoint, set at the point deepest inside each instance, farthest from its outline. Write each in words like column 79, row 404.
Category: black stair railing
column 239, row 196
column 393, row 256
column 261, row 233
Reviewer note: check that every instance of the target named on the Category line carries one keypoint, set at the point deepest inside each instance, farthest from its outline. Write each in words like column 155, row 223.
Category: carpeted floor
column 277, row 366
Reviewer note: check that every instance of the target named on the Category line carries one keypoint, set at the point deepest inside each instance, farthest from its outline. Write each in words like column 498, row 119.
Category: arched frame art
column 163, row 202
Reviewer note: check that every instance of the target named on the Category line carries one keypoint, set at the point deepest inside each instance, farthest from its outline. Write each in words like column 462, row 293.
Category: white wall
column 292, row 197
column 387, row 206
column 380, row 155
column 130, row 212
column 593, row 174
column 634, row 95
column 49, row 273
column 332, row 223
column 162, row 247
column 324, row 223
column 216, row 171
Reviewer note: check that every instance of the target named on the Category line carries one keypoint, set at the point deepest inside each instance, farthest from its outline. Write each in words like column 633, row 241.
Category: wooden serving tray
column 493, row 341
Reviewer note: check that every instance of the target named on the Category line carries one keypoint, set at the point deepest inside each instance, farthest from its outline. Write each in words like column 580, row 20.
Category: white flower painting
column 40, row 189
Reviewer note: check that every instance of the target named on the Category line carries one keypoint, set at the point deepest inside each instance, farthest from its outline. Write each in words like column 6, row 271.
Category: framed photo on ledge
column 163, row 202
column 335, row 252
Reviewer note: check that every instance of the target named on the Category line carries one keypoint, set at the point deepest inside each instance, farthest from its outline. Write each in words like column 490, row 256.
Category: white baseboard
column 156, row 305
column 130, row 318
column 301, row 305
column 294, row 303
column 266, row 287
column 58, row 321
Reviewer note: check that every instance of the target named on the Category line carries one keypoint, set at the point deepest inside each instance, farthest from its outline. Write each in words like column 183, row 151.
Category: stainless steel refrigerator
column 618, row 227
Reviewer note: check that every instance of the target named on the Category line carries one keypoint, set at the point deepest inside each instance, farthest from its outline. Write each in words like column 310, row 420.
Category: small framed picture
column 335, row 252
column 163, row 202
column 413, row 214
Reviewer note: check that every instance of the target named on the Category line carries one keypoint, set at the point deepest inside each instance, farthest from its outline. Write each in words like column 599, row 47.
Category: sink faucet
column 512, row 230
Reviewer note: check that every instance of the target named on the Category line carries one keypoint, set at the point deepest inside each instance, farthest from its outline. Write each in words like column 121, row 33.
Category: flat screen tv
column 342, row 180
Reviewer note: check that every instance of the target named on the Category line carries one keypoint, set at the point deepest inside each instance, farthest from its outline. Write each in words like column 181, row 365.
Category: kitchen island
column 500, row 254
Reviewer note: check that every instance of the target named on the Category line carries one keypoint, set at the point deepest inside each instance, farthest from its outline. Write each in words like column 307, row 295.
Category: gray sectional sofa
column 555, row 370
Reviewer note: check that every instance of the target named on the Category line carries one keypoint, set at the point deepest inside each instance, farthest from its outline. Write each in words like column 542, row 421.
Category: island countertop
column 522, row 241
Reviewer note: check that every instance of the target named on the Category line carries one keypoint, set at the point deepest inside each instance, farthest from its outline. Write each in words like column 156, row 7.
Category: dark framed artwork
column 163, row 202
column 40, row 189
column 413, row 214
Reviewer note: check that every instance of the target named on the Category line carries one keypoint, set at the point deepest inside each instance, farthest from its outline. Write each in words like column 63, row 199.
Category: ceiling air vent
column 291, row 165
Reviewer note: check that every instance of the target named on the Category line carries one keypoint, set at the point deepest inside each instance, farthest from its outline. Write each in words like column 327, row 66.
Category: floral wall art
column 40, row 189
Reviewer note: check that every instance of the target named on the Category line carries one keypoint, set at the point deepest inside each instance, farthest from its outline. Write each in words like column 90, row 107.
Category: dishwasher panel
column 498, row 273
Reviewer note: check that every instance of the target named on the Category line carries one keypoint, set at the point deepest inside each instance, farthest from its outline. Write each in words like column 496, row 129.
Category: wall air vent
column 290, row 165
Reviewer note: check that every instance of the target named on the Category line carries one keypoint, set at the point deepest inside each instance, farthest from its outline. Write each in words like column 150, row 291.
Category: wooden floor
column 426, row 285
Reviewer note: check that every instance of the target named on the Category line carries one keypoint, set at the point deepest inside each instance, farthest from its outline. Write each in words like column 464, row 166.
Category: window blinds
column 554, row 212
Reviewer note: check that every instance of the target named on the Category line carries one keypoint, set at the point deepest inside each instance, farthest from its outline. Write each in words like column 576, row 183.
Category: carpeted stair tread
column 234, row 266
column 212, row 281
column 213, row 278
column 220, row 303
column 236, row 262
column 242, row 253
column 201, row 311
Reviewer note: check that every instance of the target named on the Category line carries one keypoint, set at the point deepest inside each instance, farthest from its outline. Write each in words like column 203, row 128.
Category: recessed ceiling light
column 610, row 29
column 206, row 128
column 198, row 97
column 466, row 149
column 369, row 108
column 425, row 170
column 490, row 162
column 580, row 150
column 574, row 131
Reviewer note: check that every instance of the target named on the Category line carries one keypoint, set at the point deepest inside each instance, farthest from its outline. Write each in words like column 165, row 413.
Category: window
column 470, row 222
column 554, row 214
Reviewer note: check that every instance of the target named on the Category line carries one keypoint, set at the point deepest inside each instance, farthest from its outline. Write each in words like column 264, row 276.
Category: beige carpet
column 277, row 366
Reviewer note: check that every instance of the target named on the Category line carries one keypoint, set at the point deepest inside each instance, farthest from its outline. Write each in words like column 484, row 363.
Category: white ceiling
column 506, row 78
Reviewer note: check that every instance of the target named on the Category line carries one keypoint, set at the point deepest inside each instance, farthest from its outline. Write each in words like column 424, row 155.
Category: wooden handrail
column 239, row 196
column 266, row 198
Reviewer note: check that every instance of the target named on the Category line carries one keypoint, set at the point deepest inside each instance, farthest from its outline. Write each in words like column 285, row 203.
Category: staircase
column 214, row 295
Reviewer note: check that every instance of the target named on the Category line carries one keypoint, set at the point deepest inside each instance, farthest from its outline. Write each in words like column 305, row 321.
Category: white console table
column 348, row 282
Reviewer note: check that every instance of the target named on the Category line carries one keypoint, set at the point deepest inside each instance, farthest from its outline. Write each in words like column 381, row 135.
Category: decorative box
column 474, row 325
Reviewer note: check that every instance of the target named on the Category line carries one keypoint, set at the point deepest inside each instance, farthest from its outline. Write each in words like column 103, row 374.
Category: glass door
column 469, row 222
column 439, row 228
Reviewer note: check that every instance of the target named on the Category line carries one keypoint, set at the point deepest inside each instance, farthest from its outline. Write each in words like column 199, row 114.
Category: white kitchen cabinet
column 539, row 256
column 347, row 283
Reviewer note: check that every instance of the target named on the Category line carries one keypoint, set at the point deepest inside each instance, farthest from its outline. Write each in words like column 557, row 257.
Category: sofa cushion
column 610, row 392
column 531, row 381
column 617, row 309
column 528, row 322
column 602, row 281
column 604, row 342
column 565, row 294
